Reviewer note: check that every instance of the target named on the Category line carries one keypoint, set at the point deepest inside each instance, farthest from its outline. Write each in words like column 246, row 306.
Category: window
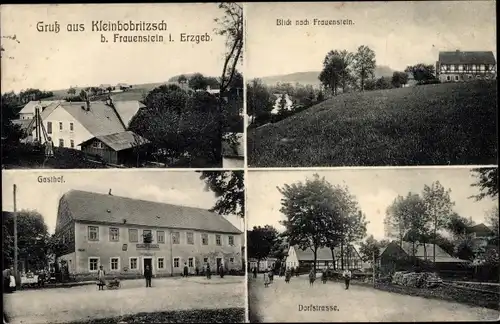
column 72, row 143
column 473, row 67
column 482, row 67
column 452, row 67
column 161, row 263
column 71, row 127
column 190, row 237
column 217, row 239
column 176, row 262
column 93, row 264
column 205, row 260
column 60, row 126
column 160, row 236
column 133, row 263
column 175, row 238
column 61, row 142
column 231, row 260
column 133, row 235
column 204, row 239
column 114, row 234
column 231, row 240
column 96, row 144
column 191, row 262
column 460, row 67
column 147, row 236
column 114, row 264
column 448, row 78
column 93, row 233
column 456, row 77
column 49, row 127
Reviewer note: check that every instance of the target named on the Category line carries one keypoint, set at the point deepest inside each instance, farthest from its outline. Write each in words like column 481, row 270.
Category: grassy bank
column 228, row 315
column 441, row 124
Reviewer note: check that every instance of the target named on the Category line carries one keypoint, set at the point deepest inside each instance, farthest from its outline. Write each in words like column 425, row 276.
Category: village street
column 280, row 303
column 63, row 305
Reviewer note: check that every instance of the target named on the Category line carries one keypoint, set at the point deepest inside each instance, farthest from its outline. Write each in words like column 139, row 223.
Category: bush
column 432, row 81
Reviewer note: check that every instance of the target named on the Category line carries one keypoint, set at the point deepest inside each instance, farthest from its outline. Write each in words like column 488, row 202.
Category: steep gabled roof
column 102, row 208
column 481, row 229
column 121, row 141
column 127, row 109
column 469, row 57
column 29, row 108
column 323, row 254
column 100, row 120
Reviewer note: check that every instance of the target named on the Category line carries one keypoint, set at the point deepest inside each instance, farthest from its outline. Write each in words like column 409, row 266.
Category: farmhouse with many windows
column 459, row 66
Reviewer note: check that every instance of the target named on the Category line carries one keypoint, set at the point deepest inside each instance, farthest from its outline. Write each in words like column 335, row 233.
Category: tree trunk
column 333, row 257
column 342, row 255
column 315, row 256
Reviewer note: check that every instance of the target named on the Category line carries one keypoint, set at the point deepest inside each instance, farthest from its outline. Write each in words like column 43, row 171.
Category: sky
column 54, row 61
column 173, row 187
column 375, row 189
column 401, row 33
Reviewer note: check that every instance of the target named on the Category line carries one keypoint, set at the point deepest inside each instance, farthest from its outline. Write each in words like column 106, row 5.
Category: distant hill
column 188, row 75
column 311, row 77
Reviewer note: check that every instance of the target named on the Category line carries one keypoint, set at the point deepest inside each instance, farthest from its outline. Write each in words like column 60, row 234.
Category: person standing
column 148, row 274
column 267, row 280
column 101, row 278
column 209, row 275
column 49, row 149
column 323, row 276
column 288, row 275
column 312, row 277
column 254, row 271
column 186, row 270
column 347, row 278
column 221, row 270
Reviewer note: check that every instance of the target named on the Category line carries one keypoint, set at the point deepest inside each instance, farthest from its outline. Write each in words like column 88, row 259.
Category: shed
column 117, row 148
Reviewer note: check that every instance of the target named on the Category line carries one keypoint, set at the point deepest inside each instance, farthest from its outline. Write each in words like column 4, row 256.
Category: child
column 347, row 278
column 312, row 277
column 323, row 276
column 288, row 275
column 266, row 279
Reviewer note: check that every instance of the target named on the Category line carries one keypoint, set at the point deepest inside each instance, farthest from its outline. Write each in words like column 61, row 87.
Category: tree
column 198, row 82
column 399, row 79
column 72, row 91
column 259, row 103
column 383, row 83
column 438, row 207
column 282, row 106
column 32, row 238
column 421, row 72
column 229, row 188
column 320, row 97
column 336, row 70
column 370, row 84
column 492, row 219
column 109, row 89
column 231, row 26
column 261, row 241
column 369, row 249
column 364, row 64
column 182, row 79
column 487, row 181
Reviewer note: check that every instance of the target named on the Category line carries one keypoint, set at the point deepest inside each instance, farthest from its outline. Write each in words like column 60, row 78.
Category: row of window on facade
column 133, row 264
column 61, row 128
column 133, row 236
column 458, row 78
column 467, row 67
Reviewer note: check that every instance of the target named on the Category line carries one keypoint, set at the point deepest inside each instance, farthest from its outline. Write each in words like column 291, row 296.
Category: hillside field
column 440, row 124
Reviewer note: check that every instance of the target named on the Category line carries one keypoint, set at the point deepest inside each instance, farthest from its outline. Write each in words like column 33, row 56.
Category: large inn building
column 102, row 229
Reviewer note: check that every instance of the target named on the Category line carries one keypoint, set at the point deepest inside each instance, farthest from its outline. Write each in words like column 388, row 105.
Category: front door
column 219, row 262
column 147, row 262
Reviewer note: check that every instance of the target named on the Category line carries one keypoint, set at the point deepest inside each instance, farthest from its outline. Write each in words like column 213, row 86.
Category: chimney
column 109, row 193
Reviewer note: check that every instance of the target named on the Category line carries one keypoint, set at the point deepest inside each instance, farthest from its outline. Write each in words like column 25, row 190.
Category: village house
column 305, row 258
column 71, row 123
column 277, row 103
column 394, row 253
column 125, row 235
column 262, row 265
column 28, row 111
column 457, row 66
column 233, row 153
column 481, row 236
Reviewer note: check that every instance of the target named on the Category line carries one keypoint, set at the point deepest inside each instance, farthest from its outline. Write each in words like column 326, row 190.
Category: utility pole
column 15, row 230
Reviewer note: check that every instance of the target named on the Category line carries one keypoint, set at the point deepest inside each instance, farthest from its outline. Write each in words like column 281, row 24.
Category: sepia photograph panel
column 86, row 247
column 122, row 86
column 373, row 245
column 395, row 83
